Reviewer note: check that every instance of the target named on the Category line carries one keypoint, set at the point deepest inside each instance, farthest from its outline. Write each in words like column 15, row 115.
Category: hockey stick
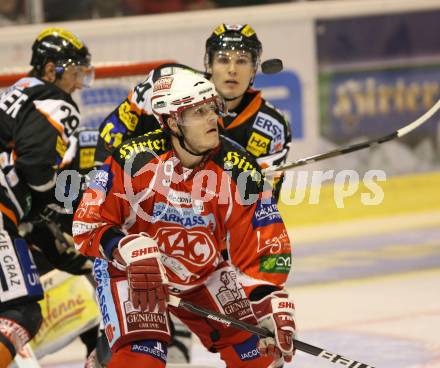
column 358, row 146
column 262, row 332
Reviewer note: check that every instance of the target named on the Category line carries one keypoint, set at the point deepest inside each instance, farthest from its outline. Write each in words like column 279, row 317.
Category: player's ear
column 172, row 124
column 254, row 73
column 208, row 67
column 49, row 72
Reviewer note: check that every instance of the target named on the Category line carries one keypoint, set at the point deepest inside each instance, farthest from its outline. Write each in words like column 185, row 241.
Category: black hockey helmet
column 233, row 37
column 61, row 47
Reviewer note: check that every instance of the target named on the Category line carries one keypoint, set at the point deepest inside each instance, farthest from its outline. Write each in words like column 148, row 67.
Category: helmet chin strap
column 181, row 139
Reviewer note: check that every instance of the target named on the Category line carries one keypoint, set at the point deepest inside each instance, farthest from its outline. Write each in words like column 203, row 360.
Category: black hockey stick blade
column 358, row 146
column 271, row 66
column 262, row 332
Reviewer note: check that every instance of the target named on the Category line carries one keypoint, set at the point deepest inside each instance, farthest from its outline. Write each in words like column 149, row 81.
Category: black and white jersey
column 261, row 130
column 37, row 120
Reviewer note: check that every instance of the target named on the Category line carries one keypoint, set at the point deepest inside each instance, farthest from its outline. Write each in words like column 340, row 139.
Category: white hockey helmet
column 175, row 93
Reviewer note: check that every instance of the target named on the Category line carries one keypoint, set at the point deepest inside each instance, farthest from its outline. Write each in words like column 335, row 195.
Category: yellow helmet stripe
column 63, row 33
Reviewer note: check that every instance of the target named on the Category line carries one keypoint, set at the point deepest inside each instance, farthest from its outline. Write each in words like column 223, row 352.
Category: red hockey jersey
column 216, row 211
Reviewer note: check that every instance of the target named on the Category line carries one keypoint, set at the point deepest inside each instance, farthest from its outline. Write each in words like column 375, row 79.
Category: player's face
column 232, row 72
column 75, row 77
column 199, row 126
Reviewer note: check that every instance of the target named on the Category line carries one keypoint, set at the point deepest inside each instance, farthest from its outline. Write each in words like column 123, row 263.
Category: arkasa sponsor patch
column 258, row 144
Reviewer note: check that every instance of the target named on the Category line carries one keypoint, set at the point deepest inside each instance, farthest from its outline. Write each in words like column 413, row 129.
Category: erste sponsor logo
column 270, row 126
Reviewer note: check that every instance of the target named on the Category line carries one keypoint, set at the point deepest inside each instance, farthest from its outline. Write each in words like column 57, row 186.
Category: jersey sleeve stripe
column 55, row 124
column 9, row 214
column 45, row 187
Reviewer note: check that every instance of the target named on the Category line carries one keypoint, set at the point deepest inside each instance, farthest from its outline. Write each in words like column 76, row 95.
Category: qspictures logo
column 208, row 185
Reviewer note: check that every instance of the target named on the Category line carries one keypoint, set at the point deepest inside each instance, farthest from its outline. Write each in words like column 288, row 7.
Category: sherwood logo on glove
column 286, row 305
column 144, row 251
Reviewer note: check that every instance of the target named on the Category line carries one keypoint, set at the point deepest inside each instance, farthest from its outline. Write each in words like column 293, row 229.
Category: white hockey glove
column 147, row 279
column 276, row 312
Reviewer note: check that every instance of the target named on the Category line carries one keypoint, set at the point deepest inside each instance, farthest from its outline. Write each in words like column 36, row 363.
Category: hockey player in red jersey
column 157, row 216
column 37, row 119
column 232, row 57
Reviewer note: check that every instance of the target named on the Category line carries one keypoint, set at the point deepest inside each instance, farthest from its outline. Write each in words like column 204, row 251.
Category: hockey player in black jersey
column 232, row 58
column 37, row 119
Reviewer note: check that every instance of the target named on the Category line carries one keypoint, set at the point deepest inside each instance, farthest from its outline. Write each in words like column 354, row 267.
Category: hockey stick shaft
column 262, row 332
column 358, row 146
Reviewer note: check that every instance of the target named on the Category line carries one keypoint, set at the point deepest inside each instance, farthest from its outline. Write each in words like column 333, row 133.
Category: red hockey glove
column 276, row 312
column 147, row 279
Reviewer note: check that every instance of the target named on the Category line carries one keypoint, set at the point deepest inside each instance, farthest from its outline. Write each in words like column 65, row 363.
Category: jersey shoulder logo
column 14, row 98
column 235, row 159
column 269, row 125
column 128, row 116
column 12, row 101
column 145, row 147
column 140, row 96
column 63, row 116
column 273, row 128
column 258, row 144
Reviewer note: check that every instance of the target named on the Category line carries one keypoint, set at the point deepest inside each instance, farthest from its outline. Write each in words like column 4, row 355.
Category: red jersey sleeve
column 98, row 220
column 257, row 241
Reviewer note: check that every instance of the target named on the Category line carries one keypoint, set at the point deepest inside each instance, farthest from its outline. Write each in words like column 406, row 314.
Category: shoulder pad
column 143, row 149
column 140, row 95
column 14, row 98
column 27, row 82
column 270, row 109
column 236, row 161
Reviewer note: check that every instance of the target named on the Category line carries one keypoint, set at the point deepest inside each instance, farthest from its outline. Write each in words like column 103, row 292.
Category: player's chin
column 212, row 139
column 232, row 91
column 215, row 142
